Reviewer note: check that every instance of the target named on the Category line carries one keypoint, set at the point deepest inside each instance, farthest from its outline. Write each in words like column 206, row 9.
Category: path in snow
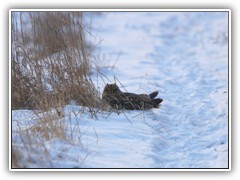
column 185, row 56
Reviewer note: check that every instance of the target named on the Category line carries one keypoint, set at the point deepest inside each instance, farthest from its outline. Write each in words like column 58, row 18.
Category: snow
column 184, row 55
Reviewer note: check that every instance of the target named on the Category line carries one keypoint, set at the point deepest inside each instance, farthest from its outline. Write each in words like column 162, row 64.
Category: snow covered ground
column 184, row 55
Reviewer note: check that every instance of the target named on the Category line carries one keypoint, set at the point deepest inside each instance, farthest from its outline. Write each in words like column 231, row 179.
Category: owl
column 117, row 99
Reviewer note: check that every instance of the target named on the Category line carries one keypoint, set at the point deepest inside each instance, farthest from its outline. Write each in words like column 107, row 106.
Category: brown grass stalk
column 50, row 62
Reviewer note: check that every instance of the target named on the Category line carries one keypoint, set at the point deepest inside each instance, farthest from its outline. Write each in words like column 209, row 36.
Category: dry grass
column 50, row 61
column 50, row 67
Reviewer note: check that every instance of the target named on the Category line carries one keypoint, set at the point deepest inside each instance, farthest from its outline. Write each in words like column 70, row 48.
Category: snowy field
column 183, row 55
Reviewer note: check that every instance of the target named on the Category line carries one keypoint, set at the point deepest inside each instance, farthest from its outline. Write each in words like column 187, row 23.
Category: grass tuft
column 51, row 67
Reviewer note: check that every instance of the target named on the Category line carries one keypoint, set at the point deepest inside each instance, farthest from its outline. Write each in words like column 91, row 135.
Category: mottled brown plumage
column 117, row 99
